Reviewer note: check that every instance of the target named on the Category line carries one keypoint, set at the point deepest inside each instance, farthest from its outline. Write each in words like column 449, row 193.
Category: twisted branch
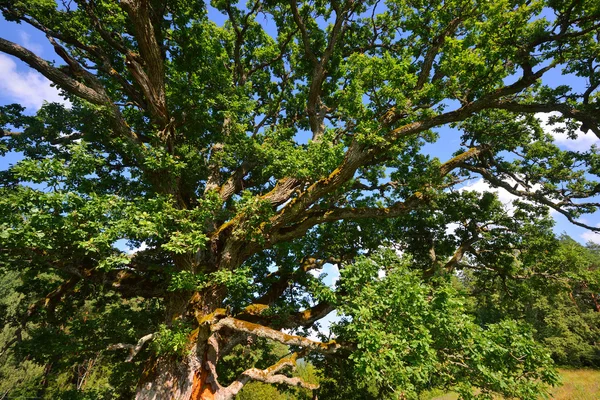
column 134, row 349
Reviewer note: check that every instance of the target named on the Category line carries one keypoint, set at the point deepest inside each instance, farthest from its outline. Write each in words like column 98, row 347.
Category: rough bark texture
column 195, row 377
column 171, row 381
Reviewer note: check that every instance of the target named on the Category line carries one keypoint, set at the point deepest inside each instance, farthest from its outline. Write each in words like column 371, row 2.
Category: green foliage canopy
column 237, row 158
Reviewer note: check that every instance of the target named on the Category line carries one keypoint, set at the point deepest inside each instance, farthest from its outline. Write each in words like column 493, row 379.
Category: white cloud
column 591, row 236
column 330, row 272
column 481, row 186
column 142, row 247
column 29, row 88
column 583, row 142
column 315, row 272
column 451, row 228
column 506, row 198
column 25, row 41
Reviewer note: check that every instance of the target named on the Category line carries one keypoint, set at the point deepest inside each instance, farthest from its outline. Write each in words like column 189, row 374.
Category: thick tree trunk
column 185, row 379
column 169, row 379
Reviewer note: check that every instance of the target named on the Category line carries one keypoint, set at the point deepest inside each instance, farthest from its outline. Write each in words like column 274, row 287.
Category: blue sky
column 20, row 84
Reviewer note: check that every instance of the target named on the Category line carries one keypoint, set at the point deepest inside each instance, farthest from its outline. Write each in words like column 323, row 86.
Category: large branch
column 268, row 375
column 309, row 316
column 565, row 34
column 213, row 353
column 234, row 183
column 417, row 200
column 258, row 313
column 282, row 230
column 358, row 155
column 588, row 120
column 293, row 219
column 95, row 95
column 304, row 33
column 92, row 52
column 459, row 254
column 314, row 106
column 54, row 74
column 333, row 214
column 433, row 51
column 275, row 335
column 240, row 28
column 150, row 77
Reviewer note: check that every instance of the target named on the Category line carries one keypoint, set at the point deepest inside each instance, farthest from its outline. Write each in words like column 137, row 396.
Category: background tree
column 238, row 158
column 18, row 377
column 556, row 293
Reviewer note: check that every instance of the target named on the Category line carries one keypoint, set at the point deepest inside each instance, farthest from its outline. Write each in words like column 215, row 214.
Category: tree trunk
column 170, row 379
column 188, row 377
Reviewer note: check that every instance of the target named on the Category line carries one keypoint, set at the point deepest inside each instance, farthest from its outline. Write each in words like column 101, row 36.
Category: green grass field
column 577, row 384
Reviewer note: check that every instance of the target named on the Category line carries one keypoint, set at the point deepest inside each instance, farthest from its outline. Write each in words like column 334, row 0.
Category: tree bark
column 170, row 379
column 179, row 379
column 190, row 377
column 195, row 376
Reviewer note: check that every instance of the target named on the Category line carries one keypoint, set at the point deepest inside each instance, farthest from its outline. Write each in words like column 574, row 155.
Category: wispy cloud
column 590, row 236
column 504, row 196
column 25, row 41
column 27, row 88
column 582, row 142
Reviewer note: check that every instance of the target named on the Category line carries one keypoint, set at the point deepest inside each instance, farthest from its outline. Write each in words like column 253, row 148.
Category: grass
column 447, row 396
column 577, row 384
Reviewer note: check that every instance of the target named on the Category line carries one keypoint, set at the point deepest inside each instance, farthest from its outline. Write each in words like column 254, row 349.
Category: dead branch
column 134, row 349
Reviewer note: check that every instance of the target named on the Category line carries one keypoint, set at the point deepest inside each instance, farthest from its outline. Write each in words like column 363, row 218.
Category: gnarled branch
column 276, row 335
column 150, row 78
column 134, row 349
column 269, row 375
column 53, row 74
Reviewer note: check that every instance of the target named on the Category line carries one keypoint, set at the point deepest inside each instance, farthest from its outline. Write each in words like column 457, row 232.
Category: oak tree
column 240, row 149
